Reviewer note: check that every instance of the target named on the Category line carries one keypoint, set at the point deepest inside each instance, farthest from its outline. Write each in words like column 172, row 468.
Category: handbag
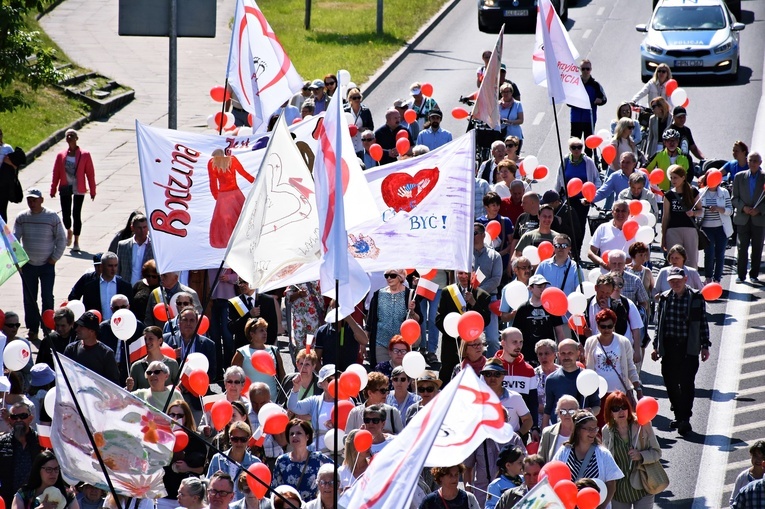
column 653, row 477
column 17, row 194
column 703, row 239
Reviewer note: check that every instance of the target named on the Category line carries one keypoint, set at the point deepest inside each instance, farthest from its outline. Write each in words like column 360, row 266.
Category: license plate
column 689, row 63
column 516, row 13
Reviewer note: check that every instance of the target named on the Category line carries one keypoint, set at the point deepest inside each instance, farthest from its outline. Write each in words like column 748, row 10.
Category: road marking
column 757, row 358
column 746, row 427
column 587, row 33
column 751, row 390
column 714, row 457
column 738, row 465
column 601, row 11
column 538, row 118
column 751, row 408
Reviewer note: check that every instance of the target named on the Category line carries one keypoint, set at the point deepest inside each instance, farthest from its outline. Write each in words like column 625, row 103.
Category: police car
column 493, row 13
column 693, row 37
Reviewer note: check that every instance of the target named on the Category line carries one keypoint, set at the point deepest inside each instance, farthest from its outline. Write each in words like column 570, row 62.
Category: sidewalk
column 87, row 31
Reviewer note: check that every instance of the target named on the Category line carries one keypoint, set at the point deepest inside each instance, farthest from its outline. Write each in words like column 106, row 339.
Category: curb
column 54, row 138
column 377, row 78
column 758, row 133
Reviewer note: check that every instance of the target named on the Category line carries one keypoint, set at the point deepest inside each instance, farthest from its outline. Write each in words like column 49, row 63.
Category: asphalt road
column 729, row 406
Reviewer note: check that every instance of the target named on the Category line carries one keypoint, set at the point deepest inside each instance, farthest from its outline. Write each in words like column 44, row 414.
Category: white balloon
column 267, row 411
column 17, row 355
column 516, row 294
column 349, row 118
column 329, row 439
column 679, row 96
column 245, row 131
column 230, row 120
column 50, row 402
column 77, row 307
column 651, row 219
column 530, row 164
column 588, row 289
column 577, row 303
column 587, row 382
column 605, row 135
column 123, row 324
column 645, row 234
column 211, row 121
column 196, row 361
column 361, row 372
column 602, row 387
column 344, row 77
column 593, row 276
column 646, row 207
column 602, row 489
column 414, row 364
column 641, row 219
column 451, row 322
column 532, row 254
column 173, row 305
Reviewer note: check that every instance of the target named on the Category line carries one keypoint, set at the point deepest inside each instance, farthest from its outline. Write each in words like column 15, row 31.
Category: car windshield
column 709, row 17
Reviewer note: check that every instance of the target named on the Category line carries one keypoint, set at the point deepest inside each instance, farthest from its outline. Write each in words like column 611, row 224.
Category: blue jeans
column 428, row 311
column 31, row 274
column 714, row 253
column 219, row 333
column 492, row 334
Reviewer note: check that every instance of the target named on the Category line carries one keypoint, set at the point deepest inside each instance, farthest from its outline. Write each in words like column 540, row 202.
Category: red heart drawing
column 116, row 321
column 402, row 191
column 285, row 63
column 24, row 353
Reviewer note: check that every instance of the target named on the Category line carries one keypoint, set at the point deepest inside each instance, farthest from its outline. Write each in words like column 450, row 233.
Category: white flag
column 486, row 107
column 554, row 62
column 259, row 71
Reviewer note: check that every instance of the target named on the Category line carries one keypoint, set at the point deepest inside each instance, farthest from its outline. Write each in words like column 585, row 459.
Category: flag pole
column 338, row 344
column 223, row 107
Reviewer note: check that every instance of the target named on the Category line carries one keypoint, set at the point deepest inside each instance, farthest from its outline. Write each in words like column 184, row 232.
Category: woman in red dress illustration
column 229, row 200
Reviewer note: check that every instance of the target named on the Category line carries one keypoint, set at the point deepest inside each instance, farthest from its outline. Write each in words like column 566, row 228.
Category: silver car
column 693, row 37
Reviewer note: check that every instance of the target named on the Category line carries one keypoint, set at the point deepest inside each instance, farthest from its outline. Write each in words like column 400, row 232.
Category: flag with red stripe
column 426, row 287
column 137, row 350
column 43, row 436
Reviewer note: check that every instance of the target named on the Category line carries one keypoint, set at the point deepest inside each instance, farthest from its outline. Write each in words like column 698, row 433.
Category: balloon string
column 479, row 489
column 276, row 379
column 459, row 352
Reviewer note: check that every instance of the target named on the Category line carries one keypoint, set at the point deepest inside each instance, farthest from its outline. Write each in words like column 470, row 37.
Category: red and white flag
column 259, row 71
column 554, row 62
column 426, row 287
column 477, row 278
column 137, row 350
column 486, row 107
column 43, row 436
column 444, row 432
column 207, row 401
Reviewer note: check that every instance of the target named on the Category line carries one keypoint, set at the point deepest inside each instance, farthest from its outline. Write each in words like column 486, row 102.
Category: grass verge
column 343, row 33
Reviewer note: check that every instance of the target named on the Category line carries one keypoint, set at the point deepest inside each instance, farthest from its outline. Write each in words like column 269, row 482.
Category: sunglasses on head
column 567, row 412
column 238, row 440
column 427, row 389
column 18, row 417
column 373, row 420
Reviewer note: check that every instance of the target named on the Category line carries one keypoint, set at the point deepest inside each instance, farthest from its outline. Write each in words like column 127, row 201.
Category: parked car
column 514, row 13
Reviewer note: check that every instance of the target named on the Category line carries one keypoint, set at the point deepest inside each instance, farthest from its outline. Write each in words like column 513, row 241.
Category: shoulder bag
column 653, row 477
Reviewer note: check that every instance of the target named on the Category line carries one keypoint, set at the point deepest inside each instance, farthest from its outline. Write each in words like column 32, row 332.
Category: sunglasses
column 560, row 246
column 367, row 139
column 238, row 440
column 154, row 372
column 576, row 147
column 382, row 391
column 373, row 420
column 355, row 98
column 18, row 417
column 328, row 83
column 586, row 68
column 492, row 374
column 401, row 351
column 619, row 408
column 630, row 127
column 326, row 483
column 13, row 325
column 567, row 412
column 662, row 71
column 606, row 326
column 219, row 493
column 177, row 416
column 234, row 382
column 183, row 303
column 403, row 379
column 391, row 276
column 429, row 389
column 511, row 145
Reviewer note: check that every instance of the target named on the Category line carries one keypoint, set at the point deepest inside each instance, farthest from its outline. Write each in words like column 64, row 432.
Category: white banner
column 486, row 106
column 554, row 62
column 259, row 71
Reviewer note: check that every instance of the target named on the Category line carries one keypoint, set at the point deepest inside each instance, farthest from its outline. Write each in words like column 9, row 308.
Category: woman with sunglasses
column 256, row 331
column 579, row 165
column 657, row 124
column 611, row 356
column 222, row 440
column 389, row 307
column 158, row 392
column 428, row 384
column 375, row 421
column 188, row 463
column 656, row 86
column 152, row 336
column 237, row 458
column 376, row 393
column 325, row 483
column 45, row 473
column 625, row 111
column 361, row 117
column 512, row 149
column 233, row 383
column 330, row 84
column 623, row 142
column 355, row 463
column 631, row 445
column 299, row 467
column 555, row 435
column 401, row 397
column 472, row 354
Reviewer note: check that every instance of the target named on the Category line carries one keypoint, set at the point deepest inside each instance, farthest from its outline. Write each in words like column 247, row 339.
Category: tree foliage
column 23, row 56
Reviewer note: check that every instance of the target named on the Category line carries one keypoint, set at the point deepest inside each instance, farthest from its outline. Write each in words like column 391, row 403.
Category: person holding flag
column 152, row 338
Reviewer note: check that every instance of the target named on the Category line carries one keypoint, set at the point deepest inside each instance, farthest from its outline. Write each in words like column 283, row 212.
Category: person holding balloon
column 472, row 354
column 716, row 223
column 90, row 352
column 237, row 458
column 397, row 348
column 401, row 396
column 375, row 394
column 428, row 387
column 299, row 468
column 609, row 235
column 239, row 413
column 388, row 309
column 681, row 207
column 632, row 443
column 317, row 407
column 189, row 341
column 618, row 178
column 355, row 461
column 657, row 86
column 579, row 165
column 375, row 421
column 260, row 362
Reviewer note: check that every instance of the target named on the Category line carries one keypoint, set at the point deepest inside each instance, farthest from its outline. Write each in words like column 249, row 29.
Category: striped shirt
column 625, row 493
column 711, row 217
column 42, row 235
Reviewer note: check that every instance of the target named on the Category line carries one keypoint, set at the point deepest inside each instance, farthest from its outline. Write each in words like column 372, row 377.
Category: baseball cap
column 317, row 84
column 679, row 110
column 33, row 192
column 436, row 113
column 494, row 365
column 675, row 273
column 88, row 320
column 97, row 258
column 326, row 371
column 550, row 197
column 538, row 279
column 502, row 67
column 41, row 374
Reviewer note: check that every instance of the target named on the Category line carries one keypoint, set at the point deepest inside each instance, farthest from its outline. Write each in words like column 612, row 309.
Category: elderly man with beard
column 17, row 451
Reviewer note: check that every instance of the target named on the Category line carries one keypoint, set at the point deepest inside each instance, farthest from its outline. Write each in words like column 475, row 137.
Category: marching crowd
column 535, row 360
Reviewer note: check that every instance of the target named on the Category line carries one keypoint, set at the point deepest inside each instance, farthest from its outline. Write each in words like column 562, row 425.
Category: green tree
column 22, row 54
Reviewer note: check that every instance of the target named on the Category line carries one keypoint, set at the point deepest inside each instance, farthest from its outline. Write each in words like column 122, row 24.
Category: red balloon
column 259, row 472
column 555, row 471
column 410, row 116
column 218, row 94
column 588, row 498
column 493, row 229
column 522, row 169
column 249, row 120
column 554, row 301
column 167, row 351
column 545, row 250
column 609, row 153
column 630, row 228
column 47, row 319
column 221, row 413
column 410, row 331
column 605, row 256
column 670, row 86
column 402, row 146
column 246, row 384
column 353, row 129
column 331, row 390
column 540, row 172
column 181, row 440
column 350, row 383
column 403, row 133
column 593, row 141
column 376, row 151
column 646, row 409
column 494, row 307
column 296, row 121
column 532, row 447
column 574, row 187
column 263, row 362
column 580, row 364
column 362, row 440
column 470, row 325
column 686, row 103
column 204, row 326
column 97, row 313
column 460, row 113
column 656, row 176
column 161, row 312
column 644, row 171
column 2, row 323
column 636, row 207
column 588, row 191
column 427, row 89
column 276, row 423
column 199, row 382
column 63, row 304
column 712, row 291
column 567, row 492
column 714, row 177
column 345, row 407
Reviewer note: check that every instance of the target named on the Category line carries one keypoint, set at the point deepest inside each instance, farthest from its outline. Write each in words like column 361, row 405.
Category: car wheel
column 733, row 77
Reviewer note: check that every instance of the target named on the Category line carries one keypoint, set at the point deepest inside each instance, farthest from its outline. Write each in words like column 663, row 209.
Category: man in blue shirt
column 435, row 136
column 560, row 270
column 617, row 181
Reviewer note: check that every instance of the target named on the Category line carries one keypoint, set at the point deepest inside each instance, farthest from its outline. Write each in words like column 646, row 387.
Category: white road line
column 753, row 374
column 714, row 457
column 751, row 390
column 754, row 344
column 756, row 358
column 739, row 465
column 538, row 118
column 587, row 33
column 751, row 408
column 747, row 427
column 600, row 11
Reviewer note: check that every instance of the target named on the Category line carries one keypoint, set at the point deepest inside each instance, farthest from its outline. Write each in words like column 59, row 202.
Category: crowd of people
column 529, row 357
